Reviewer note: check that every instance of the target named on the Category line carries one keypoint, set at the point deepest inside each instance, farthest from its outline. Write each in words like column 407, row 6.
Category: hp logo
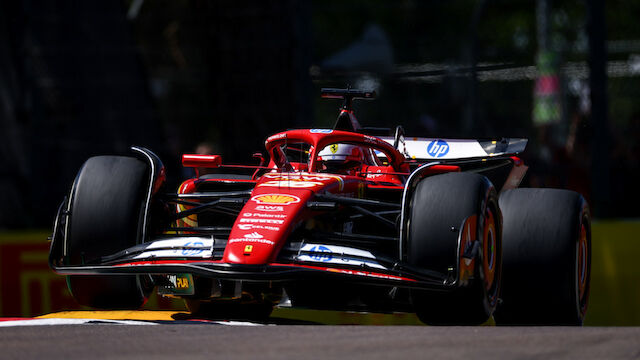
column 321, row 257
column 191, row 251
column 438, row 148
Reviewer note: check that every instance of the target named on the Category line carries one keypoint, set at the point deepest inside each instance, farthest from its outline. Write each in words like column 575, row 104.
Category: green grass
column 615, row 274
column 24, row 236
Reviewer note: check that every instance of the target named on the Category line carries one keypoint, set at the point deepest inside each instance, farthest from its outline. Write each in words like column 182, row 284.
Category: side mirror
column 203, row 161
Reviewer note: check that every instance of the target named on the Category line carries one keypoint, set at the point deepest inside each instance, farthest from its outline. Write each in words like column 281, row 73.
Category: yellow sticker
column 248, row 248
column 333, row 148
column 182, row 283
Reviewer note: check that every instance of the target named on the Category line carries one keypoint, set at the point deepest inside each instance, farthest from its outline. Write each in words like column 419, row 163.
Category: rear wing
column 447, row 149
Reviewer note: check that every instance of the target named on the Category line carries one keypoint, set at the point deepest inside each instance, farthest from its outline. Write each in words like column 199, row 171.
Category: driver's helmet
column 341, row 158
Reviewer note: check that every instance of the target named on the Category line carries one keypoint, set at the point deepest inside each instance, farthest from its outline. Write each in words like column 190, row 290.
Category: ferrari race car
column 342, row 219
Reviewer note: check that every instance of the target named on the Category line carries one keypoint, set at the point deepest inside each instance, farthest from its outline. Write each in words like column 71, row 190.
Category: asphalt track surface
column 182, row 340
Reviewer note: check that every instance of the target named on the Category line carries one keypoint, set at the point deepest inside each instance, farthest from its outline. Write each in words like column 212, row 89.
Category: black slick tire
column 106, row 205
column 547, row 257
column 438, row 208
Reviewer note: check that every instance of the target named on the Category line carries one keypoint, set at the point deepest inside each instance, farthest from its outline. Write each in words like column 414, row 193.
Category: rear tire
column 107, row 204
column 547, row 257
column 439, row 204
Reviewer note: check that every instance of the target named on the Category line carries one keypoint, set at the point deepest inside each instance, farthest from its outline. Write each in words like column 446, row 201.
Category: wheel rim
column 490, row 256
column 582, row 269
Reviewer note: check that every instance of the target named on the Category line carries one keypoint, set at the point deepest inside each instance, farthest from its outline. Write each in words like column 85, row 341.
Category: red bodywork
column 278, row 200
column 328, row 212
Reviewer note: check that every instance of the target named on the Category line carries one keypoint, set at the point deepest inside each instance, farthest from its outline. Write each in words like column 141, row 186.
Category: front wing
column 201, row 256
column 193, row 255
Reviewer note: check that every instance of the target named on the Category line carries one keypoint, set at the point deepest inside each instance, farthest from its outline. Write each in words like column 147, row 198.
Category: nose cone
column 247, row 251
column 262, row 226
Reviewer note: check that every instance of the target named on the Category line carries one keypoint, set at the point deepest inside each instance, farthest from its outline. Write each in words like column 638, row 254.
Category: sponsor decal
column 244, row 240
column 333, row 148
column 193, row 252
column 172, row 253
column 196, row 247
column 248, row 249
column 321, row 131
column 257, row 227
column 322, row 253
column 253, row 235
column 180, row 281
column 181, row 284
column 262, row 221
column 370, row 139
column 184, row 242
column 438, row 148
column 262, row 215
column 276, row 199
column 293, row 183
column 345, row 251
column 269, row 208
column 376, row 175
column 338, row 255
column 276, row 137
column 302, row 177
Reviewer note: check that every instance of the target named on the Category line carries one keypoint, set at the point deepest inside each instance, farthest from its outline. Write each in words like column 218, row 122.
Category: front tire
column 547, row 257
column 439, row 205
column 106, row 206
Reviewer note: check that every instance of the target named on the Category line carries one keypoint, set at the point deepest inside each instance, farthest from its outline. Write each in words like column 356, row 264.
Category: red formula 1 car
column 331, row 219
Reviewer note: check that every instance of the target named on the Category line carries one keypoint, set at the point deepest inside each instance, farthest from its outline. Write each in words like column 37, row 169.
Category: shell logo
column 276, row 199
